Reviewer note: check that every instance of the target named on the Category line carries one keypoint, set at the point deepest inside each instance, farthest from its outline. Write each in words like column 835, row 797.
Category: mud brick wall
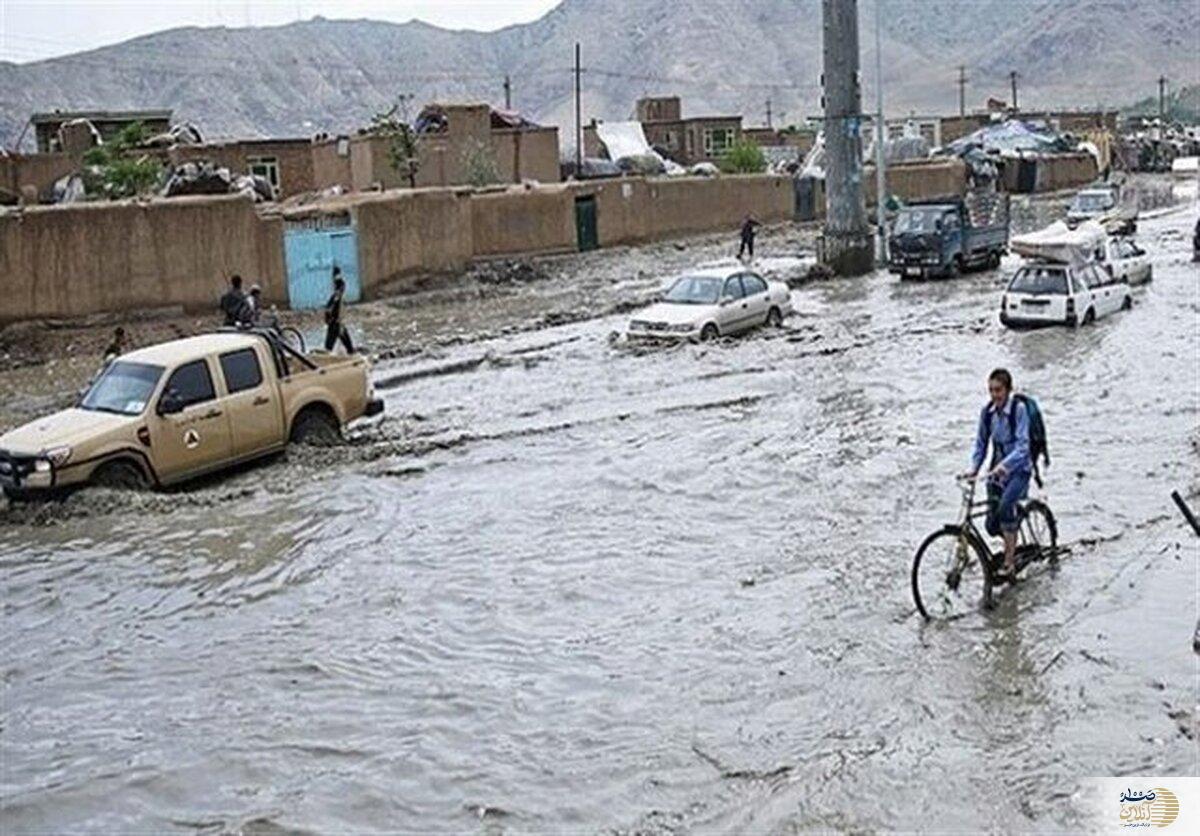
column 634, row 210
column 1066, row 171
column 519, row 221
column 83, row 259
column 923, row 180
column 404, row 232
column 33, row 173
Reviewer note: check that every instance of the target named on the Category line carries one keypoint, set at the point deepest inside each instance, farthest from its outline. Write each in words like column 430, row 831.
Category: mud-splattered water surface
column 572, row 585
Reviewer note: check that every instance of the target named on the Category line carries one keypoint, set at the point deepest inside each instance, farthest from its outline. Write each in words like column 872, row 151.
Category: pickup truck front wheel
column 121, row 476
column 315, row 426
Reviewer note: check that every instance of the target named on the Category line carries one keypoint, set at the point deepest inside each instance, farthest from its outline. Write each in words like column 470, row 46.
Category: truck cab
column 944, row 238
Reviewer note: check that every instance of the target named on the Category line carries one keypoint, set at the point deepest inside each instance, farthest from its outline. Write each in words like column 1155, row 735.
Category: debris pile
column 204, row 178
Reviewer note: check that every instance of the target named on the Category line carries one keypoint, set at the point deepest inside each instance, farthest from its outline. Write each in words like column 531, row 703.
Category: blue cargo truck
column 947, row 237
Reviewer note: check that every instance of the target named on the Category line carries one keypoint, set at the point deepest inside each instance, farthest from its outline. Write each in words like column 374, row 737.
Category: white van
column 1049, row 293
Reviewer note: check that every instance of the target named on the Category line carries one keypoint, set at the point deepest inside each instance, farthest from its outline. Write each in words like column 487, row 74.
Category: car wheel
column 774, row 318
column 1127, row 305
column 316, row 427
column 994, row 260
column 121, row 476
column 709, row 332
column 1089, row 317
column 955, row 269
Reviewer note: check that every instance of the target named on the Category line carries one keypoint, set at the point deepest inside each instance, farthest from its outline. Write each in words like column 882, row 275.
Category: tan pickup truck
column 168, row 413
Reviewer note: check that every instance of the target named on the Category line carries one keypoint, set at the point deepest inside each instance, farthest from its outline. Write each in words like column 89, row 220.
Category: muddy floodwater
column 572, row 585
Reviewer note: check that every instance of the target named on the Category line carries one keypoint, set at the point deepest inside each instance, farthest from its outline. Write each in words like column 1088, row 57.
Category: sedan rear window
column 1040, row 280
column 123, row 388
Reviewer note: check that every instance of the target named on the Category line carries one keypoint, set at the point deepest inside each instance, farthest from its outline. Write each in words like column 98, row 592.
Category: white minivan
column 1050, row 293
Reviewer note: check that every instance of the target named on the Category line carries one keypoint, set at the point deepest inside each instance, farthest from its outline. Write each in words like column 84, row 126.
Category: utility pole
column 847, row 238
column 507, row 93
column 1013, row 78
column 962, row 91
column 769, row 123
column 1162, row 120
column 881, row 250
column 578, row 110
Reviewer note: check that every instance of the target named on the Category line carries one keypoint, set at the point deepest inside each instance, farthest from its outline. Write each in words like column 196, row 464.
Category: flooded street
column 571, row 585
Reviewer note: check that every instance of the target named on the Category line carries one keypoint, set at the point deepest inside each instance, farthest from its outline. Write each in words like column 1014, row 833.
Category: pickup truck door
column 195, row 438
column 252, row 401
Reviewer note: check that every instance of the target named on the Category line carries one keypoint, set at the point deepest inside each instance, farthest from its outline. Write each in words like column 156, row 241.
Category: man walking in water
column 1004, row 422
column 334, row 329
column 231, row 303
column 749, row 230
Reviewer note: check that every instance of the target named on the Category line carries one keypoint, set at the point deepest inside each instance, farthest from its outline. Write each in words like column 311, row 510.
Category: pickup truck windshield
column 122, row 388
column 1040, row 280
column 917, row 220
column 695, row 290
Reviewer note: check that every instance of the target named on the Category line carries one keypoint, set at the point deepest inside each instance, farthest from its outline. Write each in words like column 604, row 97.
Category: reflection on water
column 568, row 585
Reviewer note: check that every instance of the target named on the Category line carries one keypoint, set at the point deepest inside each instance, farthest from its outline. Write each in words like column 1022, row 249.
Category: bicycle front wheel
column 950, row 576
column 1039, row 531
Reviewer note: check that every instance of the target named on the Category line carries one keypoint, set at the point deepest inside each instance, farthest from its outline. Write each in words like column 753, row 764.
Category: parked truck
column 947, row 237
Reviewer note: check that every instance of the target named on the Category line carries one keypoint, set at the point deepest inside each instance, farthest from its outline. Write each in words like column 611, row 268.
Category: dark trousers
column 334, row 332
column 747, row 245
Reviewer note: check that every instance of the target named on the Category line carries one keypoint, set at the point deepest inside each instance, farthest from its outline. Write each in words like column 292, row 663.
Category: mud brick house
column 448, row 136
column 686, row 141
column 108, row 123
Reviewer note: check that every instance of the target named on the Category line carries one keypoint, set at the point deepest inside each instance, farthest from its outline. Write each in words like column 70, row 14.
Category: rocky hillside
column 732, row 56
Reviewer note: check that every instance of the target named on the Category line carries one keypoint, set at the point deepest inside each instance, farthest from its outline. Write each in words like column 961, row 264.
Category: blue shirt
column 1012, row 449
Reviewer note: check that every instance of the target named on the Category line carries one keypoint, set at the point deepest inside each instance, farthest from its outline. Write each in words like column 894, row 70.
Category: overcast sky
column 35, row 29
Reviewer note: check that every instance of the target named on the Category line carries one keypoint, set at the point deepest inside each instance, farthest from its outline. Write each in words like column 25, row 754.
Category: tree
column 479, row 164
column 402, row 143
column 743, row 157
column 114, row 170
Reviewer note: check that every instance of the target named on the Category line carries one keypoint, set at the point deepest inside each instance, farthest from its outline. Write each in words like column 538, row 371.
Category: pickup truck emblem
column 191, row 439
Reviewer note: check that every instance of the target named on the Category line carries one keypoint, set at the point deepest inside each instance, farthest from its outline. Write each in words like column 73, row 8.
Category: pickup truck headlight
column 681, row 329
column 55, row 456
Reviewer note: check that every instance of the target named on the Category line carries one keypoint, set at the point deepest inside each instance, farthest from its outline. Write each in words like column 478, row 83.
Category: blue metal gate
column 310, row 254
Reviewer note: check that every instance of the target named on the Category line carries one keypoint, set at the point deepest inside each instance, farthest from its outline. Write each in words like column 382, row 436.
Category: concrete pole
column 507, row 93
column 881, row 251
column 962, row 92
column 847, row 238
column 1013, row 78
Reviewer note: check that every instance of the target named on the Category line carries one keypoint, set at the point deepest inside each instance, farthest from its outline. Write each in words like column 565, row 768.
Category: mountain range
column 730, row 56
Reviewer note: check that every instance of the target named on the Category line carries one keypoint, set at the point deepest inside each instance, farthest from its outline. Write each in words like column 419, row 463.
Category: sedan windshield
column 695, row 290
column 917, row 220
column 1040, row 280
column 1093, row 202
column 122, row 388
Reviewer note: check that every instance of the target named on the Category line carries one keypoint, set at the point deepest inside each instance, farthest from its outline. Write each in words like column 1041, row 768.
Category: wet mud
column 570, row 583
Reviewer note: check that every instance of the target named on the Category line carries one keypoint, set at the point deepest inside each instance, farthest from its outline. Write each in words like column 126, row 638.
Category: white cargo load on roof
column 1059, row 242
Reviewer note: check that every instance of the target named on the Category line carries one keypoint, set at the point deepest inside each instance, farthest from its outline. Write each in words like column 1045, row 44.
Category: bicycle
column 955, row 558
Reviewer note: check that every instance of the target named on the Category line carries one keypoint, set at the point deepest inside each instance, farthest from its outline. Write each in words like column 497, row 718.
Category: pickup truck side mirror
column 170, row 403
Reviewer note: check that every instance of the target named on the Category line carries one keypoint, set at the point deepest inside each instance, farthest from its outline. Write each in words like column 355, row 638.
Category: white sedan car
column 711, row 303
column 1127, row 261
column 1050, row 293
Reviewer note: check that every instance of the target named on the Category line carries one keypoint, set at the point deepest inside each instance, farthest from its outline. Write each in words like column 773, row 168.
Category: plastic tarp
column 1059, row 242
column 625, row 140
column 1011, row 137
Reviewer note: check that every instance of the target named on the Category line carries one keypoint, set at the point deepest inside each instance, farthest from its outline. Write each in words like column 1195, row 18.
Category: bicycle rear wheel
column 950, row 575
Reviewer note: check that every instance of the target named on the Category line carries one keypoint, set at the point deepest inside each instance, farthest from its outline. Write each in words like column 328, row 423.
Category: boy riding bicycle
column 1004, row 422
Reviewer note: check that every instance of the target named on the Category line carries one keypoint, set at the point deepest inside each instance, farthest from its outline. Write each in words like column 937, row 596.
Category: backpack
column 1038, row 443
